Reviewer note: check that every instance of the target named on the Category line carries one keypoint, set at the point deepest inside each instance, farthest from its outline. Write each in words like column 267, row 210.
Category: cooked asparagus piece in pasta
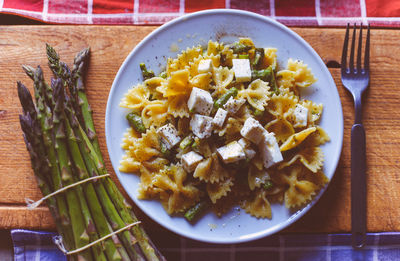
column 136, row 122
column 146, row 73
column 232, row 92
column 194, row 212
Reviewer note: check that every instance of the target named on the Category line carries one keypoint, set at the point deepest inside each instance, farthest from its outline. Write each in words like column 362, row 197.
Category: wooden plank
column 111, row 44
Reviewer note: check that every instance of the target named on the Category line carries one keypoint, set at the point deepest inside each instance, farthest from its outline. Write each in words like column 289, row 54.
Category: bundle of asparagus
column 61, row 139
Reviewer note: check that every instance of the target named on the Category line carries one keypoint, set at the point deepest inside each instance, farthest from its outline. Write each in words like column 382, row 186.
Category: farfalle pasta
column 225, row 126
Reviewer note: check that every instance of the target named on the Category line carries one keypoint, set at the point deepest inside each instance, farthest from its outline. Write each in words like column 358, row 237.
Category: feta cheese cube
column 190, row 160
column 300, row 115
column 246, row 145
column 250, row 153
column 253, row 130
column 241, row 68
column 269, row 149
column 231, row 152
column 201, row 126
column 219, row 117
column 205, row 66
column 169, row 135
column 200, row 101
column 233, row 105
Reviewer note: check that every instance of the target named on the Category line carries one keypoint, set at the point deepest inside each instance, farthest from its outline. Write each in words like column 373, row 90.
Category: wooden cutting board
column 109, row 47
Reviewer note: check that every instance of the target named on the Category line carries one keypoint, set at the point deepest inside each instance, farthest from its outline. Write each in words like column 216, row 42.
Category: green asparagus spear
column 79, row 212
column 34, row 135
column 195, row 211
column 44, row 118
column 240, row 48
column 232, row 92
column 186, row 142
column 91, row 206
column 41, row 169
column 78, row 153
column 267, row 75
column 145, row 73
column 136, row 122
column 268, row 184
column 258, row 58
column 107, row 200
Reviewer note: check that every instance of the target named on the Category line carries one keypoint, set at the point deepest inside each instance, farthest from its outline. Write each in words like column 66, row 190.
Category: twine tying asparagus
column 59, row 242
column 31, row 204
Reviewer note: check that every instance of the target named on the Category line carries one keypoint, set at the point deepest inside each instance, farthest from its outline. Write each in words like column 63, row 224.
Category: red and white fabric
column 383, row 13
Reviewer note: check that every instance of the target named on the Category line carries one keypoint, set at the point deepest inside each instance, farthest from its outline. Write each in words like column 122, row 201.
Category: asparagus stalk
column 39, row 164
column 77, row 174
column 43, row 138
column 112, row 213
column 77, row 212
column 61, row 70
column 92, row 199
column 125, row 210
column 86, row 166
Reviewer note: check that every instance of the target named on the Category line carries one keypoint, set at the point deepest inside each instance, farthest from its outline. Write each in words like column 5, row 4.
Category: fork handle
column 358, row 186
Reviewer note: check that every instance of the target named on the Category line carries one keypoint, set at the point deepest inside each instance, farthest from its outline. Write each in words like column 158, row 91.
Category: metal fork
column 356, row 81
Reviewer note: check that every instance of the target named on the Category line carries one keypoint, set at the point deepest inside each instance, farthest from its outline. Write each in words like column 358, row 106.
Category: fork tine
column 351, row 61
column 344, row 52
column 359, row 50
column 366, row 55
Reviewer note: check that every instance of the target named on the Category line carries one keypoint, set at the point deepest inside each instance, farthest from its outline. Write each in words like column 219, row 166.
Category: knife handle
column 358, row 186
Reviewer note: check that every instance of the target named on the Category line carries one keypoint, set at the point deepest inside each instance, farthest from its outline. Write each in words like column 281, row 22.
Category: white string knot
column 59, row 241
column 31, row 204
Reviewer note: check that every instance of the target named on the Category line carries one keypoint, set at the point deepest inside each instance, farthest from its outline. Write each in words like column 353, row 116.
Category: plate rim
column 293, row 217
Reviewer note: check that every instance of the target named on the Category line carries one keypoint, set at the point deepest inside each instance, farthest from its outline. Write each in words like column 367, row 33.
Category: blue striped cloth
column 33, row 245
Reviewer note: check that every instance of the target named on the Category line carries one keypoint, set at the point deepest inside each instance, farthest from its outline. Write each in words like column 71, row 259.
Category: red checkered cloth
column 384, row 13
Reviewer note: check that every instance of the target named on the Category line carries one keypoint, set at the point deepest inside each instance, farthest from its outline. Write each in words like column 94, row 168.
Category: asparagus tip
column 29, row 70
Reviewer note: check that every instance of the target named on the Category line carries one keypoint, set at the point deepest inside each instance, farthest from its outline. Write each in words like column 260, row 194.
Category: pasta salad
column 223, row 126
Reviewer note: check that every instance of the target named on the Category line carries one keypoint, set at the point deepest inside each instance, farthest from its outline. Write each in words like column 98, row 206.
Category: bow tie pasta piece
column 257, row 94
column 218, row 190
column 258, row 205
column 311, row 157
column 183, row 59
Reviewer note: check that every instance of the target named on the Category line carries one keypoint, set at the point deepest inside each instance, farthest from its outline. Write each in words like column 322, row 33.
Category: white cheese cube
column 219, row 117
column 300, row 115
column 169, row 135
column 231, row 152
column 241, row 68
column 201, row 126
column 200, row 101
column 253, row 130
column 205, row 66
column 233, row 105
column 246, row 145
column 269, row 149
column 250, row 153
column 190, row 160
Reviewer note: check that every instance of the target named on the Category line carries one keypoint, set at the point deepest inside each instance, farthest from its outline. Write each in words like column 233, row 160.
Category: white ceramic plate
column 226, row 26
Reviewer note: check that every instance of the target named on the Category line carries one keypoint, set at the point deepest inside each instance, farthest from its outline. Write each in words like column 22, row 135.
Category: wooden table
column 111, row 44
